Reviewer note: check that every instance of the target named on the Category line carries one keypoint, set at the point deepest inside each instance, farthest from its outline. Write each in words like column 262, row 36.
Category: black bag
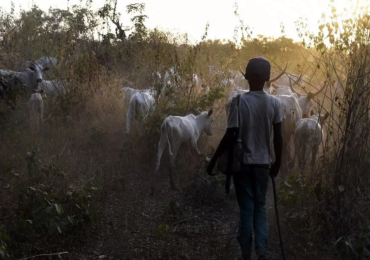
column 238, row 153
column 237, row 158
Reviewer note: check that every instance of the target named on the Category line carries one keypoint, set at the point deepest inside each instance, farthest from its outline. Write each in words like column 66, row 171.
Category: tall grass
column 55, row 182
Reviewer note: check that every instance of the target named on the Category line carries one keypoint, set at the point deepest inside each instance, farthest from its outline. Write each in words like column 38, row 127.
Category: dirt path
column 199, row 222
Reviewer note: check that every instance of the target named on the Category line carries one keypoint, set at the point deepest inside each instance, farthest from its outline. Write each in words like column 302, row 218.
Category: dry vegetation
column 81, row 185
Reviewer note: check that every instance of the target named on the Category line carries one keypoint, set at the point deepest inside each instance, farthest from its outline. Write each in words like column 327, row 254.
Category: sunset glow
column 265, row 17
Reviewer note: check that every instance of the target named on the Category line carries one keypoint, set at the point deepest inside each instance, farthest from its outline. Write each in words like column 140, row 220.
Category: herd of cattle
column 306, row 133
column 30, row 81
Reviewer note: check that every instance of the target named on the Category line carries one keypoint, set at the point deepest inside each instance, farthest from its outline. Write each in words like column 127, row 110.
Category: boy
column 260, row 120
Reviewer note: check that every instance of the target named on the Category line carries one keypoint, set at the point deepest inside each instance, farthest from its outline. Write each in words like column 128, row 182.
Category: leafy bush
column 52, row 216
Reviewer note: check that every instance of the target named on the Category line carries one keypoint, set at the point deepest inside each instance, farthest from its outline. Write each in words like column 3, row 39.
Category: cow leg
column 175, row 149
column 282, row 168
column 313, row 154
column 41, row 114
column 195, row 146
column 295, row 148
column 301, row 157
column 285, row 159
column 140, row 112
column 131, row 113
column 306, row 154
column 161, row 147
column 128, row 122
column 293, row 160
column 172, row 184
column 33, row 120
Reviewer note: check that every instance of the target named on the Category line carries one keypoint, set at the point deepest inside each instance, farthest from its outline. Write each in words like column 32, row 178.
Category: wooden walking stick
column 277, row 218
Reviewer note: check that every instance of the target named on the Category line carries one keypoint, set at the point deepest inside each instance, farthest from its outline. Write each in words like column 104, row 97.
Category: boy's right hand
column 275, row 167
column 210, row 169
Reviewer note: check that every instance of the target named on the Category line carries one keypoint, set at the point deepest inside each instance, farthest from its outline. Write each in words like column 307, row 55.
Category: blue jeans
column 251, row 187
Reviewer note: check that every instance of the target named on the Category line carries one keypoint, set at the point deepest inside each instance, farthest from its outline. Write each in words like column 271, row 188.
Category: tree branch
column 53, row 254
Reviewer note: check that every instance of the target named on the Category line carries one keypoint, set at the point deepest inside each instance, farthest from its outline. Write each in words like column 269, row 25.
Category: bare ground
column 196, row 223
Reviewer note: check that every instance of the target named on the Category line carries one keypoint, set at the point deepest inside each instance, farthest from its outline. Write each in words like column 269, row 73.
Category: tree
column 109, row 11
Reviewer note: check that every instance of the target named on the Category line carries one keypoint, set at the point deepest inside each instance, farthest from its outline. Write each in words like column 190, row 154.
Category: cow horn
column 241, row 71
column 298, row 80
column 25, row 65
column 317, row 92
column 195, row 111
column 291, row 87
column 281, row 74
column 326, row 115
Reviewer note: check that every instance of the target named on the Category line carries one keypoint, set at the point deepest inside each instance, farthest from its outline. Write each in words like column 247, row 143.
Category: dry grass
column 83, row 162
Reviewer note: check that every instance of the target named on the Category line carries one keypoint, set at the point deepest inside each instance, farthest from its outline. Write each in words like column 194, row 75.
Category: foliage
column 4, row 240
column 354, row 248
column 329, row 201
column 98, row 55
column 51, row 216
column 96, row 134
column 49, row 211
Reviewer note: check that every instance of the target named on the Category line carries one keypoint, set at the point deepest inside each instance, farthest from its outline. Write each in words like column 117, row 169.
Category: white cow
column 205, row 90
column 6, row 73
column 36, row 109
column 285, row 89
column 156, row 80
column 53, row 88
column 196, row 86
column 292, row 114
column 176, row 130
column 238, row 91
column 308, row 137
column 171, row 77
column 128, row 92
column 282, row 90
column 298, row 79
column 141, row 103
column 239, row 80
column 305, row 101
column 49, row 62
column 224, row 79
column 195, row 80
column 30, row 77
column 228, row 83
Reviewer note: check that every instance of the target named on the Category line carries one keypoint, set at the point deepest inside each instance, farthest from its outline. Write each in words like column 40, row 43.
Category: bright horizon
column 264, row 17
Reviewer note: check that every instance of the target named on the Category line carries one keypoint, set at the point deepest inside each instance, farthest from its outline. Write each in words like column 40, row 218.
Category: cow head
column 47, row 62
column 323, row 118
column 320, row 118
column 209, row 121
column 305, row 101
column 156, row 78
column 35, row 70
column 205, row 119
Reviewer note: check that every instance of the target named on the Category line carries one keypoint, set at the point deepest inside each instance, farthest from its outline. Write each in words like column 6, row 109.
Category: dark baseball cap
column 260, row 67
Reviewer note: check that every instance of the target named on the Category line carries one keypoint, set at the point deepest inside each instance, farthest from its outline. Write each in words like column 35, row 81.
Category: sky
column 264, row 17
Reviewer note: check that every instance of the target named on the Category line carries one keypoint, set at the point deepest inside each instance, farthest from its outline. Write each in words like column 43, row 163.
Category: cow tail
column 305, row 132
column 168, row 131
column 134, row 107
